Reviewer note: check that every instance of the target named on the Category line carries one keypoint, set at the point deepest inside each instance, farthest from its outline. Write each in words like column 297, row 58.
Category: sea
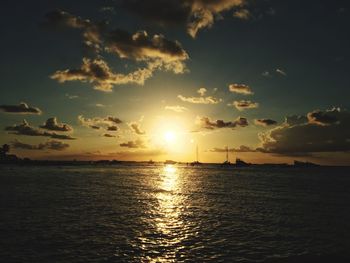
column 174, row 213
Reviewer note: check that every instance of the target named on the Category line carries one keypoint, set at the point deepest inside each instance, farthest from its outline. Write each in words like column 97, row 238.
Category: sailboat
column 197, row 161
column 226, row 162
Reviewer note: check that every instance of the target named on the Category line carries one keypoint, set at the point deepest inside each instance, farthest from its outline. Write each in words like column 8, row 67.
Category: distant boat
column 226, row 162
column 197, row 162
column 241, row 163
column 150, row 162
column 169, row 162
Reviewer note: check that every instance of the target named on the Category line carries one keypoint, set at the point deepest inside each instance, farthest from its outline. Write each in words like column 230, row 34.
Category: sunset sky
column 141, row 80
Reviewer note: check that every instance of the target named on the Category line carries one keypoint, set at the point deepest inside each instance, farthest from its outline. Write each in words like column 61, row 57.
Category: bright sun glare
column 169, row 137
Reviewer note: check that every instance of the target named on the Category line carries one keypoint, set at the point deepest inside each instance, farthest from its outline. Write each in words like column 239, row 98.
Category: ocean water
column 161, row 213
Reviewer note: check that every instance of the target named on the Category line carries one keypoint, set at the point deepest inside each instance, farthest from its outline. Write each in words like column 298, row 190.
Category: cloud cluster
column 244, row 104
column 207, row 123
column 97, row 123
column 200, row 100
column 176, row 108
column 25, row 129
column 265, row 122
column 22, row 108
column 136, row 128
column 192, row 14
column 157, row 52
column 322, row 131
column 52, row 125
column 241, row 89
column 49, row 145
column 134, row 144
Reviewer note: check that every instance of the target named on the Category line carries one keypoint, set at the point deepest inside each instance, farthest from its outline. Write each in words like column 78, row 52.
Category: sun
column 170, row 136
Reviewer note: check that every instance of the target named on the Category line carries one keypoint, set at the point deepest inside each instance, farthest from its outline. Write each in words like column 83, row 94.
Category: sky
column 140, row 80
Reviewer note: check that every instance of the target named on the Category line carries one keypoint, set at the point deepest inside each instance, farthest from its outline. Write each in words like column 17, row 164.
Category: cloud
column 25, row 129
column 109, row 122
column 207, row 123
column 200, row 100
column 136, row 128
column 241, row 89
column 157, row 52
column 192, row 14
column 109, row 135
column 22, row 108
column 112, row 128
column 265, row 122
column 323, row 118
column 300, row 135
column 52, row 125
column 71, row 97
column 134, row 144
column 49, row 145
column 282, row 72
column 243, row 14
column 244, row 104
column 202, row 91
column 99, row 73
column 176, row 108
column 241, row 149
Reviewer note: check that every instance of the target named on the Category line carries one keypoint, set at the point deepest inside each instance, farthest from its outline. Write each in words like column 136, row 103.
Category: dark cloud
column 298, row 135
column 49, row 145
column 136, row 128
column 114, row 119
column 244, row 104
column 241, row 89
column 52, row 125
column 22, row 108
column 192, row 14
column 112, row 128
column 323, row 118
column 157, row 52
column 134, row 144
column 109, row 135
column 95, row 127
column 206, row 123
column 25, row 129
column 265, row 122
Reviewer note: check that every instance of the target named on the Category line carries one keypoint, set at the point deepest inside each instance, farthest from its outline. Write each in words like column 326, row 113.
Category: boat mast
column 226, row 153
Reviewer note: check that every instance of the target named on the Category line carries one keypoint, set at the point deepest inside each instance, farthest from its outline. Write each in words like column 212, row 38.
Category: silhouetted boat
column 150, row 162
column 196, row 162
column 241, row 163
column 226, row 162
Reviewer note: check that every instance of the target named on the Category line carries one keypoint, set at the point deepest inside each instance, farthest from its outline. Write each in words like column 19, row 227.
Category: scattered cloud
column 52, row 125
column 192, row 14
column 300, row 135
column 134, row 144
column 200, row 100
column 71, row 97
column 266, row 74
column 109, row 135
column 136, row 128
column 109, row 122
column 207, row 123
column 176, row 108
column 244, row 104
column 202, row 91
column 265, row 122
column 243, row 14
column 25, row 129
column 281, row 72
column 22, row 108
column 49, row 145
column 241, row 89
